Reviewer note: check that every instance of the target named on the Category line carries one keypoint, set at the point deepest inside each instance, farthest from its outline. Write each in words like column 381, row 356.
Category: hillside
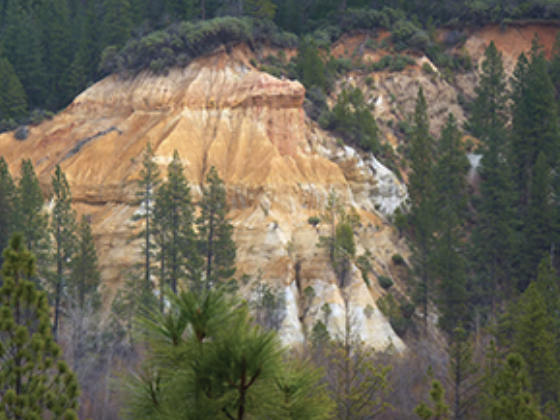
column 278, row 164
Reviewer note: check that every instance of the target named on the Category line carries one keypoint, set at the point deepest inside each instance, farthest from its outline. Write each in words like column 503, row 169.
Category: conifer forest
column 188, row 335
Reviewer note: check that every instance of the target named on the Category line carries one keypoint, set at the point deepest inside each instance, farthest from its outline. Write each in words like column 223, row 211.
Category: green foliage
column 269, row 306
column 215, row 242
column 493, row 239
column 463, row 374
column 7, row 204
column 314, row 221
column 148, row 184
column 398, row 259
column 340, row 243
column 37, row 382
column 450, row 198
column 233, row 369
column 175, row 238
column 439, row 410
column 84, row 278
column 510, row 396
column 385, row 282
column 534, row 340
column 13, row 101
column 179, row 44
column 63, row 230
column 260, row 9
column 421, row 186
column 31, row 219
column 352, row 117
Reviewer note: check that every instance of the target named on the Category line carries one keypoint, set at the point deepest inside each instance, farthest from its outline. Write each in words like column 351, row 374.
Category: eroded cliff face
column 278, row 167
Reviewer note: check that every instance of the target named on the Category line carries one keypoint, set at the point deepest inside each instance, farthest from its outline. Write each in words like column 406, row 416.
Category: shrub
column 398, row 259
column 180, row 43
column 21, row 133
column 314, row 221
column 385, row 282
column 427, row 68
column 407, row 309
column 369, row 82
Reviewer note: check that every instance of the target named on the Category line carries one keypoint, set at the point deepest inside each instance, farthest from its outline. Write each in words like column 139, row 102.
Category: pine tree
column 22, row 46
column 464, row 374
column 54, row 16
column 84, row 278
column 147, row 187
column 538, row 233
column 174, row 219
column 13, row 102
column 116, row 22
column 511, row 397
column 260, row 9
column 493, row 238
column 215, row 233
column 7, row 205
column 450, row 198
column 31, row 219
column 489, row 108
column 236, row 370
column 35, row 380
column 421, row 192
column 83, row 69
column 535, row 120
column 63, row 228
column 534, row 340
column 440, row 410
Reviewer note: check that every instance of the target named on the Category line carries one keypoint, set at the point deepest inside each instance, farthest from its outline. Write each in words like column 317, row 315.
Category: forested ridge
column 53, row 49
column 480, row 315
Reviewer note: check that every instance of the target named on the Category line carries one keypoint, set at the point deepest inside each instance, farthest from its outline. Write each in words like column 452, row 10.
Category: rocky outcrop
column 278, row 167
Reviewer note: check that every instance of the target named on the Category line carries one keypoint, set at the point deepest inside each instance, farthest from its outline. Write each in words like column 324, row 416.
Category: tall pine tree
column 450, row 199
column 421, row 192
column 7, row 204
column 63, row 230
column 215, row 233
column 493, row 238
column 147, row 187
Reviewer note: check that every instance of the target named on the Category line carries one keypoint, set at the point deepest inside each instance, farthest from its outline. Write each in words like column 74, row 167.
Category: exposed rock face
column 278, row 168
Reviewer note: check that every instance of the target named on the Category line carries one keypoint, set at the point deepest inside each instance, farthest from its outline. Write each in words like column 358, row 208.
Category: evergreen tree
column 236, row 370
column 7, row 204
column 147, row 187
column 84, row 278
column 451, row 203
column 464, row 374
column 13, row 102
column 511, row 397
column 489, row 108
column 534, row 340
column 174, row 219
column 63, row 228
column 83, row 304
column 421, row 192
column 35, row 381
column 260, row 9
column 535, row 121
column 83, row 69
column 31, row 219
column 215, row 233
column 54, row 16
column 538, row 227
column 116, row 22
column 493, row 238
column 440, row 410
column 22, row 46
